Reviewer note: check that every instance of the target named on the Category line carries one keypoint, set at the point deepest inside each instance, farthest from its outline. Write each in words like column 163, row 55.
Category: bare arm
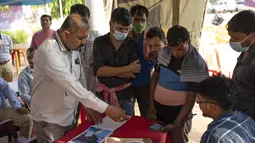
column 186, row 109
column 153, row 84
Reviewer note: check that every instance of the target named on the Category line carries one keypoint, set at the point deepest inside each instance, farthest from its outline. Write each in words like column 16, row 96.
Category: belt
column 4, row 62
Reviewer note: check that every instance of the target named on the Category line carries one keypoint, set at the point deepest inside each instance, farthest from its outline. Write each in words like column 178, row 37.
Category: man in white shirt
column 56, row 85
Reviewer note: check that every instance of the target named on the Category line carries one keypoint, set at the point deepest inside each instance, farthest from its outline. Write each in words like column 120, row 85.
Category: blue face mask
column 237, row 46
column 119, row 35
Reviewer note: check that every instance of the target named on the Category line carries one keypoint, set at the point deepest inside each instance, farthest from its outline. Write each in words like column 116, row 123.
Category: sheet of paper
column 108, row 123
column 92, row 135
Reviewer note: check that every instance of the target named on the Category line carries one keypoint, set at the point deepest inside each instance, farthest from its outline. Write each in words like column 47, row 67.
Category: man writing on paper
column 56, row 85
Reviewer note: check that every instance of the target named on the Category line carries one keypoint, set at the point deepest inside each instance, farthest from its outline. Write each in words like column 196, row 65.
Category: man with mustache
column 57, row 87
column 40, row 36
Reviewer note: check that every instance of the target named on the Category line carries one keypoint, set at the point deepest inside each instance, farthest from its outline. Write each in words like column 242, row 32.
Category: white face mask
column 119, row 35
column 237, row 46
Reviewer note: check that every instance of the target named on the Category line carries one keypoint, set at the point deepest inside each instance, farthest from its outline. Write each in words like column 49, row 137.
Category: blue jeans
column 127, row 106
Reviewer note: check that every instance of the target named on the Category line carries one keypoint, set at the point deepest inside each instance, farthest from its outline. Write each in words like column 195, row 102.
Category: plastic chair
column 20, row 53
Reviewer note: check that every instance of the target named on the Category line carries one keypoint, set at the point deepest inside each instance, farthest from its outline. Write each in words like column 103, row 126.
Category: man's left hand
column 168, row 128
column 93, row 116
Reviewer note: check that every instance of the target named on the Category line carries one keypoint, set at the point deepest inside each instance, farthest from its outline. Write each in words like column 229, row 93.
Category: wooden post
column 176, row 12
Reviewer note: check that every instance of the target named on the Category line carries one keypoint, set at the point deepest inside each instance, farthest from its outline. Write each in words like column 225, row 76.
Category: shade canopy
column 24, row 2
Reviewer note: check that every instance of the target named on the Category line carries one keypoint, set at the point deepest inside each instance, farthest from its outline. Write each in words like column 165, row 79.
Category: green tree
column 66, row 5
column 4, row 8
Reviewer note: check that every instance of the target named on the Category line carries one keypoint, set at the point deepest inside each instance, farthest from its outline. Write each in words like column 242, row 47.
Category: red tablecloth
column 136, row 127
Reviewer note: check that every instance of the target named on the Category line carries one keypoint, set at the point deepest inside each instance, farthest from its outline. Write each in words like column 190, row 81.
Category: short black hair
column 156, row 32
column 139, row 10
column 177, row 34
column 243, row 22
column 46, row 15
column 80, row 9
column 72, row 22
column 121, row 16
column 218, row 89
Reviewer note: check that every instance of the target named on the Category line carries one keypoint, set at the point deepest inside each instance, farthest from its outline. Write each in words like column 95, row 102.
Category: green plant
column 66, row 5
column 18, row 37
column 4, row 8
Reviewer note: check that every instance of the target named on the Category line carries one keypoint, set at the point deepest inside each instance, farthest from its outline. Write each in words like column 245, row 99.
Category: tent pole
column 60, row 9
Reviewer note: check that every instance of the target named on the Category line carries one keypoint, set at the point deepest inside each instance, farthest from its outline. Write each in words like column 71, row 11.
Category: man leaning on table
column 56, row 85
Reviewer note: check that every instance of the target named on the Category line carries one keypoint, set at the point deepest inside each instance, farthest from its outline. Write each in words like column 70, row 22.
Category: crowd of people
column 165, row 74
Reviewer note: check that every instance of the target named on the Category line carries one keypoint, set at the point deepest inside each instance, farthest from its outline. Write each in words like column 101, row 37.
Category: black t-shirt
column 175, row 66
column 106, row 55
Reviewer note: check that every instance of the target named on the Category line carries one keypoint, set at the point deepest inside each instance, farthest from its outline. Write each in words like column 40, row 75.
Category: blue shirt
column 6, row 92
column 233, row 127
column 146, row 66
column 25, row 84
column 6, row 48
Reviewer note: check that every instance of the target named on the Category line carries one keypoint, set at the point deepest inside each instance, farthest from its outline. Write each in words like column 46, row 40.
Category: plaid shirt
column 6, row 48
column 234, row 127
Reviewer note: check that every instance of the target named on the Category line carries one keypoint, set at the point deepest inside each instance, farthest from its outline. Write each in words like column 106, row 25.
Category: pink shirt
column 39, row 37
column 169, row 97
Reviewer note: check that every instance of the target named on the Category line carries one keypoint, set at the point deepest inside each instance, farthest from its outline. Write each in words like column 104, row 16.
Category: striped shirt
column 6, row 48
column 233, row 127
column 57, row 87
column 193, row 68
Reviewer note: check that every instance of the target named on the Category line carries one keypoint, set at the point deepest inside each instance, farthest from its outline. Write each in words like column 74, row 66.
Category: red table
column 136, row 127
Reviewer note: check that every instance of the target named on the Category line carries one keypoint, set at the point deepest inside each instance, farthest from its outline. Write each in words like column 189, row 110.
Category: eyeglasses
column 204, row 102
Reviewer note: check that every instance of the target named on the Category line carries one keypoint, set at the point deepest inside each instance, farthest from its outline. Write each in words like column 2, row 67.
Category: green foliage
column 18, row 37
column 66, row 5
column 4, row 8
